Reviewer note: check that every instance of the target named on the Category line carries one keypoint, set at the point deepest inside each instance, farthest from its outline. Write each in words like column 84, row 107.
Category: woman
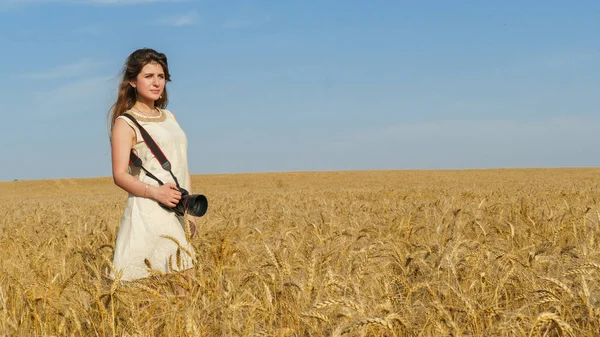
column 149, row 237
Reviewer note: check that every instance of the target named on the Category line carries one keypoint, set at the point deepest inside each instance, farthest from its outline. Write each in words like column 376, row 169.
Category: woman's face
column 149, row 83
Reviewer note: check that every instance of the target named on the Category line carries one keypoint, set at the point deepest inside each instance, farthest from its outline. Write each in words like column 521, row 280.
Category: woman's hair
column 127, row 95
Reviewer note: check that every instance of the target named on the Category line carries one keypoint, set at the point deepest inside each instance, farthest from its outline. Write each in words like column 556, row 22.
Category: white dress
column 147, row 234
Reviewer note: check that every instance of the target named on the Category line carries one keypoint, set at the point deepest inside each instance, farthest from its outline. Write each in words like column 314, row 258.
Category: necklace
column 140, row 116
column 147, row 114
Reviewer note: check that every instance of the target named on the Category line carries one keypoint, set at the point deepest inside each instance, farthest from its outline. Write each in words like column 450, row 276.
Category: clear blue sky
column 308, row 85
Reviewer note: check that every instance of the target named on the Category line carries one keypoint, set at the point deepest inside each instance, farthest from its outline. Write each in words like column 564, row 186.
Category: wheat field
column 511, row 252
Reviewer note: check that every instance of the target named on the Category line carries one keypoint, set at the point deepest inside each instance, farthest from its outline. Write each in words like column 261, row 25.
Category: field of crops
column 390, row 253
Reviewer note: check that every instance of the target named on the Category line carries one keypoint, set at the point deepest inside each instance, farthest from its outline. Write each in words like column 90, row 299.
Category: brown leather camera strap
column 156, row 151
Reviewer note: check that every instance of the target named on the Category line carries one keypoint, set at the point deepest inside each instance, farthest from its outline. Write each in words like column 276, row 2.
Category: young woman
column 149, row 236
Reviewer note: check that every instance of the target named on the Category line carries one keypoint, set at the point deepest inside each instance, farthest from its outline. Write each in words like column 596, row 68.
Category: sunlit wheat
column 390, row 253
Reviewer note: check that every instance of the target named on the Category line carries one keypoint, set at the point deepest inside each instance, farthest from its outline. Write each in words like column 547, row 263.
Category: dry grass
column 399, row 253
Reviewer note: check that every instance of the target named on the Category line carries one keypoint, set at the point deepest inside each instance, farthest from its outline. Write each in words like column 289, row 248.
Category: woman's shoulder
column 168, row 113
column 124, row 116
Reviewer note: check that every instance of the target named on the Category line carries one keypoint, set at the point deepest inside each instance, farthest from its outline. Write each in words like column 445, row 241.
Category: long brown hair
column 127, row 96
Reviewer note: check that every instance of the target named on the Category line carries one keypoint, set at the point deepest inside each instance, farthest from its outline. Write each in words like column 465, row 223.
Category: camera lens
column 196, row 204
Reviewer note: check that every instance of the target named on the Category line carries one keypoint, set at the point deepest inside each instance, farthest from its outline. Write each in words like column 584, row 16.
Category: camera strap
column 156, row 151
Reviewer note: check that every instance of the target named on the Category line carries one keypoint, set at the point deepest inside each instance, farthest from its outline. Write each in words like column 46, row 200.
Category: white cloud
column 238, row 23
column 63, row 71
column 181, row 20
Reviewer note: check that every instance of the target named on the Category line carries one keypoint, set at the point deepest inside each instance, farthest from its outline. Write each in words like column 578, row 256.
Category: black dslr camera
column 194, row 204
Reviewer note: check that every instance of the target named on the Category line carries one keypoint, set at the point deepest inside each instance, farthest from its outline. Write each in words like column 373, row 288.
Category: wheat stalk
column 315, row 314
column 368, row 322
column 343, row 302
column 552, row 318
column 560, row 285
column 183, row 249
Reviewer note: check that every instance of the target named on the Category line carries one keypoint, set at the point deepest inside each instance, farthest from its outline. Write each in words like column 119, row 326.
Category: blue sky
column 308, row 85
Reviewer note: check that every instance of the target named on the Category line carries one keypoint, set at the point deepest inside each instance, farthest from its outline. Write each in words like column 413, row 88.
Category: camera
column 193, row 204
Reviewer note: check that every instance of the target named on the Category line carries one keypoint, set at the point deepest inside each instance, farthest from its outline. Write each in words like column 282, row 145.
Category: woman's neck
column 146, row 108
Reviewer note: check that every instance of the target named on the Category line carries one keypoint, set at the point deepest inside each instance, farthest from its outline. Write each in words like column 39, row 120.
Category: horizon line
column 333, row 171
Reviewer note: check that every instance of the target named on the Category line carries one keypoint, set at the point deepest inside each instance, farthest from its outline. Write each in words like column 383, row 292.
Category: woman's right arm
column 122, row 140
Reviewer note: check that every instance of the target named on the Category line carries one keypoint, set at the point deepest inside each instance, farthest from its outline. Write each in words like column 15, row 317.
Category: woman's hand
column 167, row 194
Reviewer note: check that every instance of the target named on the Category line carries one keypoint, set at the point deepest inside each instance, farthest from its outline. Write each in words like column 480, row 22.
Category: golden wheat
column 389, row 253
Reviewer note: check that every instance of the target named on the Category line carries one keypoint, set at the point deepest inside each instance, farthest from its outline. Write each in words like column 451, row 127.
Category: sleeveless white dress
column 147, row 233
